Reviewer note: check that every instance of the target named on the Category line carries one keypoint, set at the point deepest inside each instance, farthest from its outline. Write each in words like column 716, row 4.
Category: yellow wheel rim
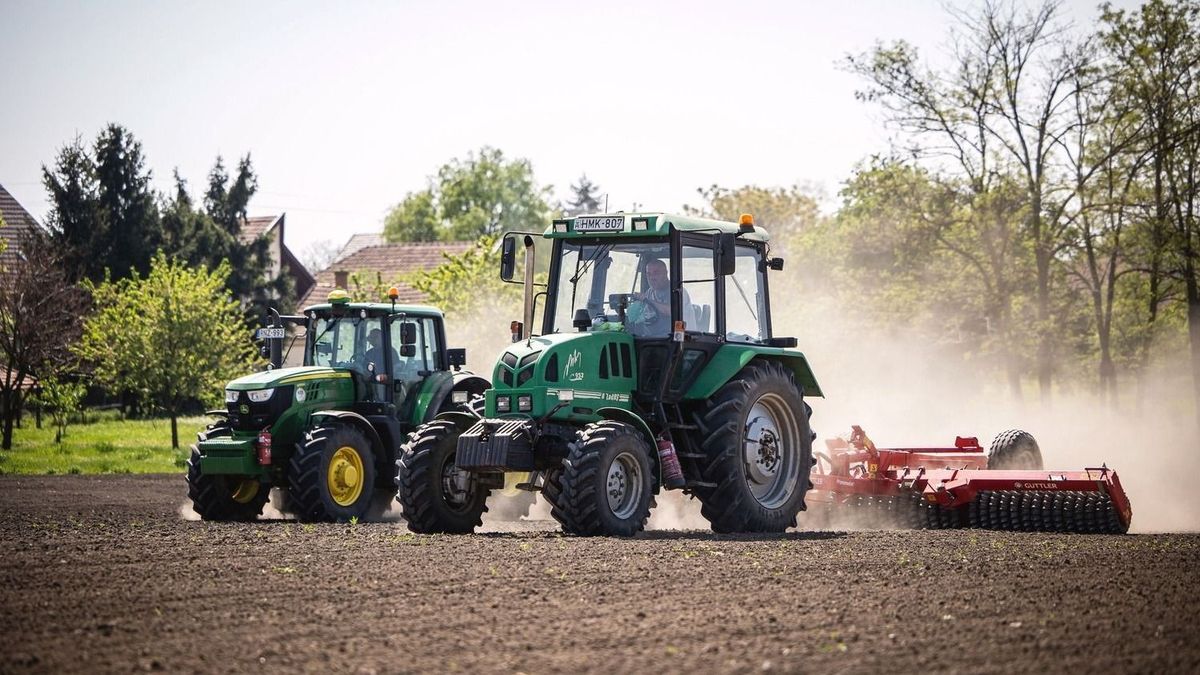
column 345, row 476
column 245, row 490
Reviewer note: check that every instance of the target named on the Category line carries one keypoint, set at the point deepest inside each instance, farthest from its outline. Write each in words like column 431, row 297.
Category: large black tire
column 332, row 475
column 222, row 497
column 429, row 484
column 606, row 482
column 1015, row 449
column 758, row 451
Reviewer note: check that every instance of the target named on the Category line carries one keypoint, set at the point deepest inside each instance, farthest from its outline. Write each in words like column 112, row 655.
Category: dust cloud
column 905, row 391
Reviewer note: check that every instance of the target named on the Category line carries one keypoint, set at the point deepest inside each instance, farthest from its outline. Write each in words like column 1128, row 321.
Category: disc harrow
column 945, row 488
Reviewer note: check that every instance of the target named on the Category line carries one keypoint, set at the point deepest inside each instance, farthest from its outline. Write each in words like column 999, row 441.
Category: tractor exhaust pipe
column 527, row 313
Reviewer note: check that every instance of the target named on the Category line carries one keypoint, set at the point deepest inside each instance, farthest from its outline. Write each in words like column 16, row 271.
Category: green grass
column 104, row 446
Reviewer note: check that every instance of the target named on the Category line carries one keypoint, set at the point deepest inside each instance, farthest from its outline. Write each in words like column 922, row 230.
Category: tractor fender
column 731, row 358
column 633, row 420
column 353, row 418
column 462, row 420
column 461, row 381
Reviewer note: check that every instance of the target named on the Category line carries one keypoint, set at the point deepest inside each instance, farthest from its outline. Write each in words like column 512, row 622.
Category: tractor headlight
column 524, row 403
column 503, row 404
column 231, row 396
column 260, row 395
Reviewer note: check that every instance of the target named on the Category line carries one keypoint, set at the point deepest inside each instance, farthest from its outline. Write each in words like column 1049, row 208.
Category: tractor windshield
column 616, row 283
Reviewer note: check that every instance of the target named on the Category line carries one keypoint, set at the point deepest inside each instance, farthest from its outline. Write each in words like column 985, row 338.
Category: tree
column 60, row 398
column 1001, row 111
column 103, row 211
column 468, row 198
column 40, row 314
column 1157, row 53
column 173, row 336
column 465, row 281
column 208, row 237
column 785, row 212
column 585, row 197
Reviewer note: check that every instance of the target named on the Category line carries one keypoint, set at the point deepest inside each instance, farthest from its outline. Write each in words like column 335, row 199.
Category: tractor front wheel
column 435, row 495
column 1014, row 449
column 758, row 451
column 332, row 475
column 604, row 487
column 222, row 497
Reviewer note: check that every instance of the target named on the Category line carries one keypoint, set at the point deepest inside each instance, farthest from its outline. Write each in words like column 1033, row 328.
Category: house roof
column 253, row 228
column 18, row 225
column 391, row 261
column 360, row 241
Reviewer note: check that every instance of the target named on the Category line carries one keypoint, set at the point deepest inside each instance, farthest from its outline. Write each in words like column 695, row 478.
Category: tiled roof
column 253, row 228
column 392, row 261
column 17, row 225
column 360, row 241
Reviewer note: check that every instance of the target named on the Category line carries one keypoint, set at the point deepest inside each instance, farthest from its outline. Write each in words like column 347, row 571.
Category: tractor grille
column 245, row 415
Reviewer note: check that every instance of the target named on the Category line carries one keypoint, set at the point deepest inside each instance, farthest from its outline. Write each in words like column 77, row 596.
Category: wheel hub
column 345, row 476
column 456, row 485
column 245, row 490
column 770, row 447
column 623, row 486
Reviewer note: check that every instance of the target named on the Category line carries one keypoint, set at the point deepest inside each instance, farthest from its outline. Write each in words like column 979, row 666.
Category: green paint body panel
column 427, row 395
column 230, row 456
column 563, row 361
column 731, row 358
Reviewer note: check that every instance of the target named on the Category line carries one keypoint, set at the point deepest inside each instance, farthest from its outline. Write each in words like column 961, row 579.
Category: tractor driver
column 655, row 319
column 375, row 352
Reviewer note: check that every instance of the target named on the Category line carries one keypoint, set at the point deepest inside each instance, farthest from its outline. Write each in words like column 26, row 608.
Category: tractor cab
column 389, row 350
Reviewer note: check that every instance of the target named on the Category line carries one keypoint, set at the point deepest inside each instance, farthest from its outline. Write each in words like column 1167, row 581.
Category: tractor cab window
column 618, row 286
column 348, row 342
column 745, row 302
column 699, row 289
column 426, row 350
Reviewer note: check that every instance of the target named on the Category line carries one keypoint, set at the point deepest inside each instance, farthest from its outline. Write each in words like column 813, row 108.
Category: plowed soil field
column 108, row 574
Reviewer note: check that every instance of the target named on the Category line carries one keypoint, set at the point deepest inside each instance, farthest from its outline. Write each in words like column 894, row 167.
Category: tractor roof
column 643, row 225
column 380, row 308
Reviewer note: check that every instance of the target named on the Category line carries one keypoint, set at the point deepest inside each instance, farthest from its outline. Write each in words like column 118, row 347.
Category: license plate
column 270, row 334
column 600, row 224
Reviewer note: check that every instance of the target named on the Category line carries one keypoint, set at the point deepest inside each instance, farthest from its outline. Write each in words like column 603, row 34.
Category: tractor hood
column 563, row 359
column 283, row 376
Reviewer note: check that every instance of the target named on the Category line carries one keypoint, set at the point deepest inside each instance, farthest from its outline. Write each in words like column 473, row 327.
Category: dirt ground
column 105, row 574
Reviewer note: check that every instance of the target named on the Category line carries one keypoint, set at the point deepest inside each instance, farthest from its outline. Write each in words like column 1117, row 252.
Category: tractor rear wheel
column 435, row 495
column 1014, row 449
column 224, row 497
column 606, row 481
column 332, row 475
column 758, row 451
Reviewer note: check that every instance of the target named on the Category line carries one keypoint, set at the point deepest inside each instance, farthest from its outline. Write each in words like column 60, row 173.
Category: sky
column 345, row 107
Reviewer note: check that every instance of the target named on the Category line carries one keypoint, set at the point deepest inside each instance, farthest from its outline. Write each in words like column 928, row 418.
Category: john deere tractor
column 328, row 432
column 655, row 366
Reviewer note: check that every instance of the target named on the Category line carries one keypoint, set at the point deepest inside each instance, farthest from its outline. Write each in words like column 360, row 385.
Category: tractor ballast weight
column 950, row 487
column 655, row 342
column 328, row 433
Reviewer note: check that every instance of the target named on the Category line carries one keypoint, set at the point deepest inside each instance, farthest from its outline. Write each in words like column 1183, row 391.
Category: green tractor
column 328, row 432
column 656, row 367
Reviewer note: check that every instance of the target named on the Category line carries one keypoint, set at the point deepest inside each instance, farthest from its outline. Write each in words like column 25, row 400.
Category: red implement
column 953, row 487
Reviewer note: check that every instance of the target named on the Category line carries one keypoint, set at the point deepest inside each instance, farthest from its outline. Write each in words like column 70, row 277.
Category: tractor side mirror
column 408, row 350
column 508, row 258
column 725, row 254
column 408, row 334
column 456, row 358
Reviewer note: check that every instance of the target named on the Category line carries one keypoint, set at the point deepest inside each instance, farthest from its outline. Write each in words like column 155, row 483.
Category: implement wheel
column 758, row 451
column 332, row 475
column 605, row 484
column 1014, row 449
column 223, row 497
column 435, row 495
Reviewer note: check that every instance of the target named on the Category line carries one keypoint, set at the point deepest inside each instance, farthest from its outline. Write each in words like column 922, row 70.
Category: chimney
column 340, row 279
